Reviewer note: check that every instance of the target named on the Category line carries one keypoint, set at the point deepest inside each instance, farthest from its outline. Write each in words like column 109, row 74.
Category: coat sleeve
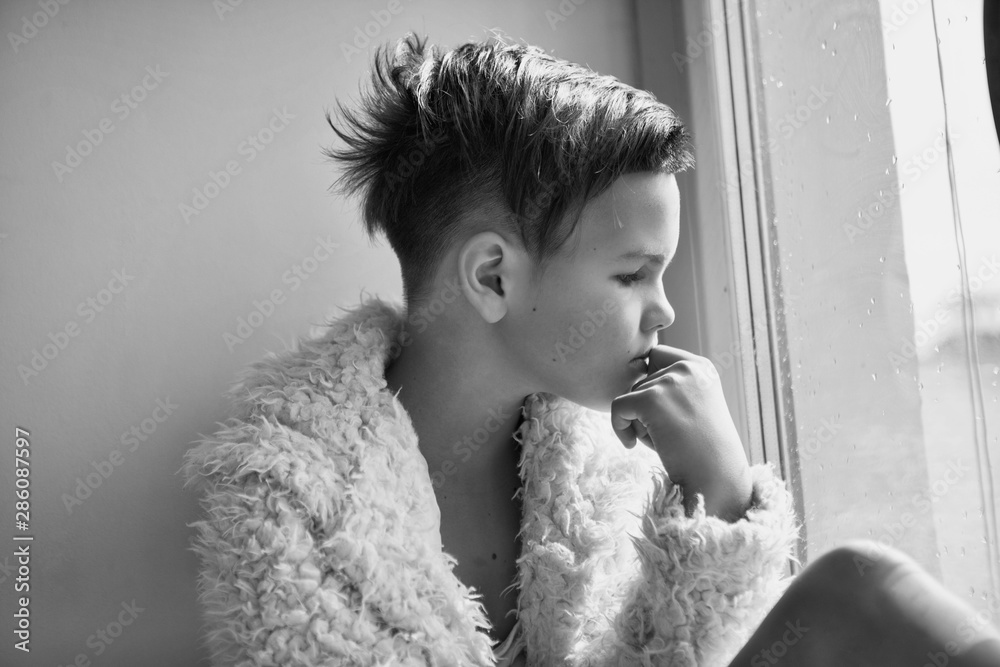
column 705, row 584
column 270, row 595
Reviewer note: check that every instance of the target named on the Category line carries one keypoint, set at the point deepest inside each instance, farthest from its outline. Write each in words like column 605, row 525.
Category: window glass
column 879, row 170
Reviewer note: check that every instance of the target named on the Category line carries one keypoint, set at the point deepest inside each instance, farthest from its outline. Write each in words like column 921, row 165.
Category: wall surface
column 129, row 256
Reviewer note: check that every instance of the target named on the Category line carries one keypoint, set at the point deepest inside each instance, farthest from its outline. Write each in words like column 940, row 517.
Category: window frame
column 694, row 56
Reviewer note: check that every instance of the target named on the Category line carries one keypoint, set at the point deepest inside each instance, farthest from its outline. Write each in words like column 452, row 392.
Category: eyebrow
column 655, row 257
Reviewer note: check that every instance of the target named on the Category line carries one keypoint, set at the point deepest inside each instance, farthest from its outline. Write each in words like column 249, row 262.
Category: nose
column 659, row 314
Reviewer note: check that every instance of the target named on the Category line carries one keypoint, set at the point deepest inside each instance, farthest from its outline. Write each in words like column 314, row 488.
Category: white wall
column 160, row 337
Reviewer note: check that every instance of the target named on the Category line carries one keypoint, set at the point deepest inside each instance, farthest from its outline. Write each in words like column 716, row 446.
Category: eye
column 629, row 279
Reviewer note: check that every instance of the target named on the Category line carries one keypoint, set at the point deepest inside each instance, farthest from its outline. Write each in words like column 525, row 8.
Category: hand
column 679, row 410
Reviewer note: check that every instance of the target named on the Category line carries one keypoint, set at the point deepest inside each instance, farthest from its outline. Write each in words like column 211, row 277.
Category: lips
column 643, row 356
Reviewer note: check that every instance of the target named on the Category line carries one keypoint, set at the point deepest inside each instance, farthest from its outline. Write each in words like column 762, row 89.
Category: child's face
column 593, row 310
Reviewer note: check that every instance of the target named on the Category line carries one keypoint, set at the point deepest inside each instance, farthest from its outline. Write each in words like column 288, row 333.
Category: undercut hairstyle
column 491, row 136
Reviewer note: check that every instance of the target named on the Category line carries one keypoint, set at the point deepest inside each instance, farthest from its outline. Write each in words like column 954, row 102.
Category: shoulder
column 328, row 384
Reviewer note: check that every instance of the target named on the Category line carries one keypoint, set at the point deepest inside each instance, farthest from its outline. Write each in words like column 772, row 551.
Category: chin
column 601, row 402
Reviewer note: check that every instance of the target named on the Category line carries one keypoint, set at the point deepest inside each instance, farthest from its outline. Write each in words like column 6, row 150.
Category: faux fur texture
column 321, row 542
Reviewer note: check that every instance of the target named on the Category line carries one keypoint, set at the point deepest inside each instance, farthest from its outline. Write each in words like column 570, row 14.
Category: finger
column 627, row 413
column 662, row 356
column 623, row 415
column 650, row 379
column 641, row 432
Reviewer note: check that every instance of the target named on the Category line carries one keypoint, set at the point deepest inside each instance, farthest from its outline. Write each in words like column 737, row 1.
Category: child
column 442, row 485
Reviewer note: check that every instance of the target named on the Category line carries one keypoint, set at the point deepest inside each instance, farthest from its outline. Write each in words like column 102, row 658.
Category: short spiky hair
column 492, row 135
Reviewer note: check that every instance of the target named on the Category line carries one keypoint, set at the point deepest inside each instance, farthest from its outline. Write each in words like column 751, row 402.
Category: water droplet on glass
column 823, row 45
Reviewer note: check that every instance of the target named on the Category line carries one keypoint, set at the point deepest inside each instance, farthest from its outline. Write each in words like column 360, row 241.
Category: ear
column 486, row 266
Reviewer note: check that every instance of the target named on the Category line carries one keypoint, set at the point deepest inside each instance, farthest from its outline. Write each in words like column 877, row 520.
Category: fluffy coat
column 321, row 543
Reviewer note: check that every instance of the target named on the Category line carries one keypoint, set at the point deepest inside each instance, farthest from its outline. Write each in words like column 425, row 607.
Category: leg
column 864, row 605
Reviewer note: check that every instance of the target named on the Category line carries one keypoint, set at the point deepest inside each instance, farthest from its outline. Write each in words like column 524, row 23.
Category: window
column 848, row 179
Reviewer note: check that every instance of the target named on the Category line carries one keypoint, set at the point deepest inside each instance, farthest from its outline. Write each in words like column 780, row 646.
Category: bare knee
column 825, row 614
column 859, row 565
column 853, row 576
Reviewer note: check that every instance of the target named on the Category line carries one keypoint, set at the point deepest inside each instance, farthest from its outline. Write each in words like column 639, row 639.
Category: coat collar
column 580, row 486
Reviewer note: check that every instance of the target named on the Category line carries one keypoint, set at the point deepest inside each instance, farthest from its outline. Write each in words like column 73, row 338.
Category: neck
column 464, row 409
